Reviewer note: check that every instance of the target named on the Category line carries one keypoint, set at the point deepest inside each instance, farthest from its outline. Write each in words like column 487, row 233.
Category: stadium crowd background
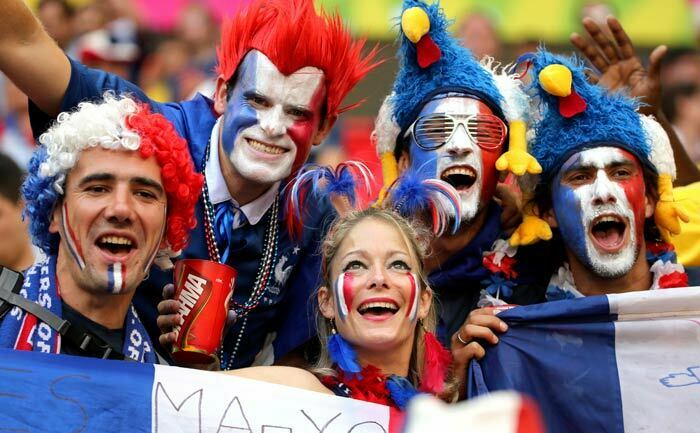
column 167, row 48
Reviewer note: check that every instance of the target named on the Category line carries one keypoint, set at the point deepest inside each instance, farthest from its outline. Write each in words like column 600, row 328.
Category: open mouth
column 265, row 147
column 378, row 309
column 118, row 246
column 608, row 232
column 461, row 178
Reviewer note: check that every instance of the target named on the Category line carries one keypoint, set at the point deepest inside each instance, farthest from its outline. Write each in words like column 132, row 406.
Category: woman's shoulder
column 281, row 375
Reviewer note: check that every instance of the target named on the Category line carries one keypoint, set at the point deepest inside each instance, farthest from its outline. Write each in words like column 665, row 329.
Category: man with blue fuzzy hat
column 606, row 185
column 451, row 118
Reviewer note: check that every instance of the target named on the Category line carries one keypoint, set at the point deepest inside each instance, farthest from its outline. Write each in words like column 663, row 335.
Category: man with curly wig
column 110, row 191
column 283, row 71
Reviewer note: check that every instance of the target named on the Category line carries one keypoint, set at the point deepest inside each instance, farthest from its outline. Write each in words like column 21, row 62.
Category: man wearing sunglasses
column 448, row 118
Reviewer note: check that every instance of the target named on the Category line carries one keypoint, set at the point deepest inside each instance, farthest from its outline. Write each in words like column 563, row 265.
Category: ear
column 220, row 95
column 550, row 218
column 426, row 300
column 55, row 223
column 404, row 161
column 323, row 130
column 325, row 303
column 649, row 206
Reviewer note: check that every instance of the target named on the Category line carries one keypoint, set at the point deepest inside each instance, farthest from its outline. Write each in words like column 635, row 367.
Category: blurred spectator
column 101, row 49
column 16, row 250
column 681, row 104
column 680, row 66
column 15, row 131
column 479, row 35
column 160, row 71
column 57, row 18
column 88, row 18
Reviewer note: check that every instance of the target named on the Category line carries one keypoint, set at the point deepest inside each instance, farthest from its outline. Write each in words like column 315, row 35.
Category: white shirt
column 218, row 191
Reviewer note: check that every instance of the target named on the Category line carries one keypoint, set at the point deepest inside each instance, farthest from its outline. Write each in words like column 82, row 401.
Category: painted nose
column 460, row 144
column 603, row 192
column 272, row 122
column 120, row 208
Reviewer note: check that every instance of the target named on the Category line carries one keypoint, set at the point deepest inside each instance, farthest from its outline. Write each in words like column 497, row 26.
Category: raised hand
column 619, row 65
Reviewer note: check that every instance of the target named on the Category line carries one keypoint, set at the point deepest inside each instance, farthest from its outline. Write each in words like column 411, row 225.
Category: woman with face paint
column 376, row 316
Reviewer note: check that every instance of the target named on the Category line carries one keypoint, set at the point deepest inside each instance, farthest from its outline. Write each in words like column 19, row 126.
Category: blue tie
column 224, row 219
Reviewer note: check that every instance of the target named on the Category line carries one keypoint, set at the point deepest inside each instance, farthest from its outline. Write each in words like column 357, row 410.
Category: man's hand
column 168, row 317
column 619, row 65
column 467, row 343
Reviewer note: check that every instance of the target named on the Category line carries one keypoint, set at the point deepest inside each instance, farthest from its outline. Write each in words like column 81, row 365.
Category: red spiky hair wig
column 292, row 35
column 181, row 181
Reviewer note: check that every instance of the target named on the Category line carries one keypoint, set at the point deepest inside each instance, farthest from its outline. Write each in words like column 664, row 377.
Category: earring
column 341, row 352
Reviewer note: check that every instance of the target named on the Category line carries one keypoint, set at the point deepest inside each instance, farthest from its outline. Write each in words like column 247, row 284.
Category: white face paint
column 593, row 210
column 271, row 118
column 460, row 158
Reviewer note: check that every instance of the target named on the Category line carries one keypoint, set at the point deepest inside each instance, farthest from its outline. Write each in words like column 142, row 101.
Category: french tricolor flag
column 51, row 393
column 616, row 364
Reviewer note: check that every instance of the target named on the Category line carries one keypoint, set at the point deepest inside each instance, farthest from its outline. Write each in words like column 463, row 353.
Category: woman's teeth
column 262, row 147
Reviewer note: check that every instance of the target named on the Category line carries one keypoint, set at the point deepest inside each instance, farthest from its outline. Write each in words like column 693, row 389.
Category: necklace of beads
column 269, row 257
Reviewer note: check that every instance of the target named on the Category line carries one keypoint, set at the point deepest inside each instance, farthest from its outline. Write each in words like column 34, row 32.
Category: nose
column 120, row 209
column 272, row 122
column 378, row 279
column 460, row 144
column 603, row 190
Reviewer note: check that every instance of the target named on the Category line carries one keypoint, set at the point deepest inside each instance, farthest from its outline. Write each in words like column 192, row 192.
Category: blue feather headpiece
column 576, row 115
column 431, row 62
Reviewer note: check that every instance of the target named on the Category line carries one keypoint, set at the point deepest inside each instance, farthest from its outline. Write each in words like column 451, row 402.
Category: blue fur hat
column 587, row 117
column 431, row 62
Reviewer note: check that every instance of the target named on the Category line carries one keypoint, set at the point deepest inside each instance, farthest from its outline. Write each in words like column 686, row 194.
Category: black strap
column 91, row 344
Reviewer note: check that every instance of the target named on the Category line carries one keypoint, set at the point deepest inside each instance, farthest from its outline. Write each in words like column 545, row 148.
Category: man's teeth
column 116, row 240
column 459, row 170
column 386, row 305
column 262, row 147
column 609, row 219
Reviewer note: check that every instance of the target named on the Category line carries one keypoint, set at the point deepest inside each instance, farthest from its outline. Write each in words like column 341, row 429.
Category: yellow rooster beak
column 556, row 80
column 415, row 24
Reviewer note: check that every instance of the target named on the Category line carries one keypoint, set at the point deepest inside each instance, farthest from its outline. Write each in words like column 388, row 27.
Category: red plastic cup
column 204, row 290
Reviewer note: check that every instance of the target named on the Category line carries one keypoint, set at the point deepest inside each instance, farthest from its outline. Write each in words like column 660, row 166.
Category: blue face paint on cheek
column 239, row 115
column 567, row 207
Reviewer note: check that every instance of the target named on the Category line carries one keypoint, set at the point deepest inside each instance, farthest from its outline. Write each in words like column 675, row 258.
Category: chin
column 611, row 266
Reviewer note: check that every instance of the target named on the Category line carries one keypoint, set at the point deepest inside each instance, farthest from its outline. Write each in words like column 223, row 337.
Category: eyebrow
column 109, row 177
column 586, row 166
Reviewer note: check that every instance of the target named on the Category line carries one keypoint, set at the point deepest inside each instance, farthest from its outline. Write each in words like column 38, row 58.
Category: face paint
column 412, row 310
column 343, row 294
column 116, row 277
column 271, row 118
column 598, row 198
column 71, row 239
column 460, row 161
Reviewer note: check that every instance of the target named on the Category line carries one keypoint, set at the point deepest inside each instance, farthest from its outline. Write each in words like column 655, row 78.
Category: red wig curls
column 181, row 182
column 292, row 35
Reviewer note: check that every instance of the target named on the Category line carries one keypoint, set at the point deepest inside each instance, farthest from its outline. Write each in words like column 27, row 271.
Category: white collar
column 218, row 191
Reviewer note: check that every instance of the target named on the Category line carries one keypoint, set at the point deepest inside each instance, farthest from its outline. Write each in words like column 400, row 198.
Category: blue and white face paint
column 271, row 118
column 598, row 198
column 461, row 162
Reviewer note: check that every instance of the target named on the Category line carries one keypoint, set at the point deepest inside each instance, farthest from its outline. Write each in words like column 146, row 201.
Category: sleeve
column 86, row 84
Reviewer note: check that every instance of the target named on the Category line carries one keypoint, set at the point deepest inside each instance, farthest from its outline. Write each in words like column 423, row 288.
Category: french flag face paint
column 412, row 310
column 116, row 277
column 598, row 198
column 271, row 118
column 461, row 162
column 71, row 239
column 344, row 295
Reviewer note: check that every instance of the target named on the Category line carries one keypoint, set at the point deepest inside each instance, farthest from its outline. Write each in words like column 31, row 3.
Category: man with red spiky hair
column 283, row 72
